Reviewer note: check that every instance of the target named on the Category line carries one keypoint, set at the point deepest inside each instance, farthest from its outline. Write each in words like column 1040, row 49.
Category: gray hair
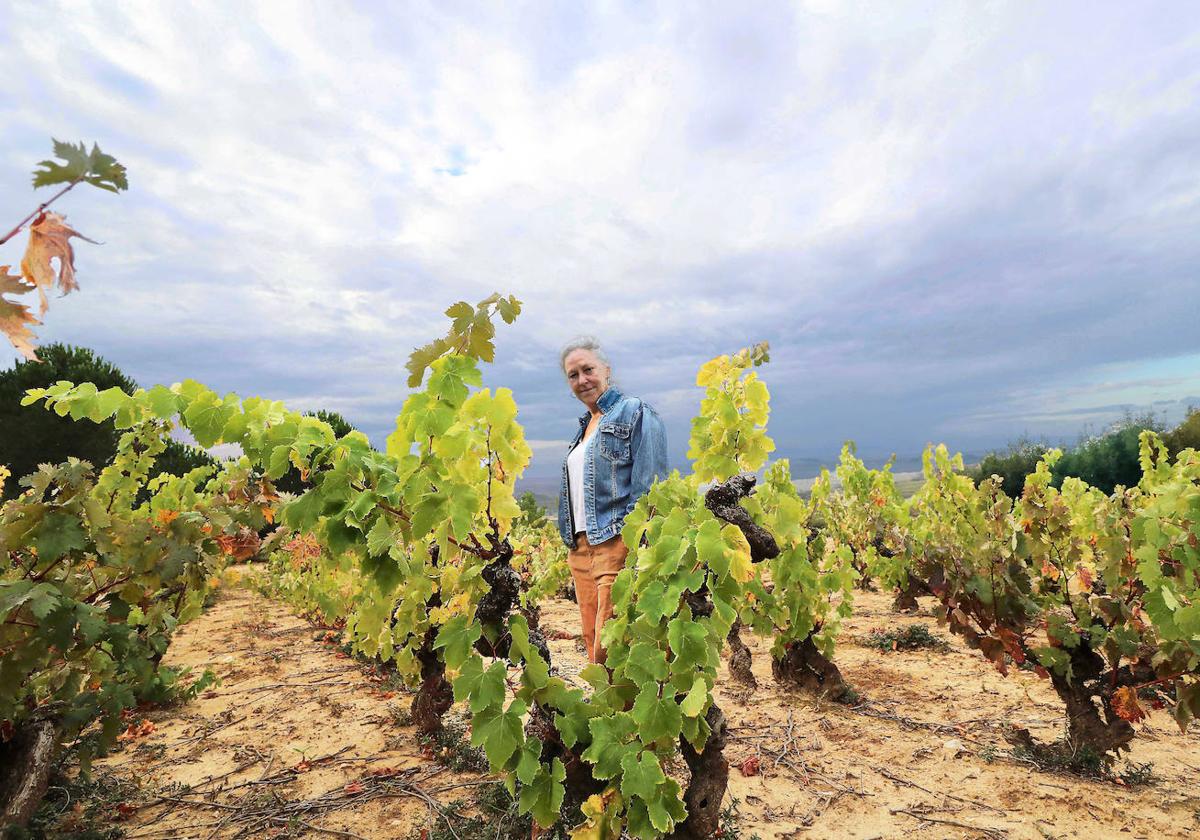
column 583, row 342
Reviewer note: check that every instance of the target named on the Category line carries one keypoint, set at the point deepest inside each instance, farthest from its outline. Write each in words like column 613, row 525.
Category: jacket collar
column 607, row 400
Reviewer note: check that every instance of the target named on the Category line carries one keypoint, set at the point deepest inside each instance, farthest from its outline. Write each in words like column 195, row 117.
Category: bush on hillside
column 1186, row 435
column 1011, row 464
column 1108, row 460
column 532, row 514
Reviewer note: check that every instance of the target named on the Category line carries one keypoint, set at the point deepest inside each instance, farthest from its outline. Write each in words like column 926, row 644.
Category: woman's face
column 587, row 376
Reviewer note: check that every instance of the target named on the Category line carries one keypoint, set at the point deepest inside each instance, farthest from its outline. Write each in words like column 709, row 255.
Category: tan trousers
column 594, row 568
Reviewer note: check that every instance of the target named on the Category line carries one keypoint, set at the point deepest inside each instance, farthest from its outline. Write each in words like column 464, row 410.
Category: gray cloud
column 957, row 223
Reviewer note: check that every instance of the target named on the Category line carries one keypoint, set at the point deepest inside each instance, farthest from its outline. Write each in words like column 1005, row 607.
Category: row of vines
column 417, row 551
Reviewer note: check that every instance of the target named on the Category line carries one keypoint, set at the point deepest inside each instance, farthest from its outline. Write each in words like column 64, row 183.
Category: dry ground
column 297, row 731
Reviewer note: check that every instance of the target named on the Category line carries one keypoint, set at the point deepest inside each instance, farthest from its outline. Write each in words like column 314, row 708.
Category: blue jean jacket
column 625, row 455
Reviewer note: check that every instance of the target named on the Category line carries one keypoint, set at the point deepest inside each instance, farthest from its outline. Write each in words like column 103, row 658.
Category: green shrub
column 1103, row 462
column 1108, row 460
column 1011, row 464
column 532, row 514
column 31, row 435
column 913, row 637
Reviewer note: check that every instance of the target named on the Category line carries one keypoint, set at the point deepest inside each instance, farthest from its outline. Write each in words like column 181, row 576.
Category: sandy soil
column 296, row 736
column 295, row 722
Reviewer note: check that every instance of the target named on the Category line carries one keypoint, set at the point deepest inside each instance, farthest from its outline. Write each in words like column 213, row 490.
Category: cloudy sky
column 954, row 222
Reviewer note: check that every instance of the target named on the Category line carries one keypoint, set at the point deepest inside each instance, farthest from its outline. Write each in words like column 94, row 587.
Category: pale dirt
column 293, row 720
column 826, row 770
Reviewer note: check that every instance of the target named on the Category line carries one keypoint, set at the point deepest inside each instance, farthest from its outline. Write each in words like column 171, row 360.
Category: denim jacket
column 625, row 455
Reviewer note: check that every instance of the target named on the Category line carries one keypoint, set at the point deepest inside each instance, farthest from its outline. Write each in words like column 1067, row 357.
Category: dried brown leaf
column 15, row 318
column 50, row 239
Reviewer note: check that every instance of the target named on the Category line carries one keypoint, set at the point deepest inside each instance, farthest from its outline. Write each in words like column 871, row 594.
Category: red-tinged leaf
column 1085, row 578
column 750, row 766
column 1041, row 672
column 353, row 787
column 993, row 649
column 136, row 730
column 1012, row 644
column 1125, row 704
column 240, row 546
column 303, row 767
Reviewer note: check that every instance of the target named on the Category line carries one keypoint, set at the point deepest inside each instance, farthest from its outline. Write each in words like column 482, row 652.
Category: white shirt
column 575, row 462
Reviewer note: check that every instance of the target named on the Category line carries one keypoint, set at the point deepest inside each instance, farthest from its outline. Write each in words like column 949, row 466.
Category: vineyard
column 738, row 588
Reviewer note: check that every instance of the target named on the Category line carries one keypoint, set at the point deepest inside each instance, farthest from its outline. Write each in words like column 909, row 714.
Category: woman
column 618, row 452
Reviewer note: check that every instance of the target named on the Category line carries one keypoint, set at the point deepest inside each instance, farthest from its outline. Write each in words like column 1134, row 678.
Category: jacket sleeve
column 648, row 445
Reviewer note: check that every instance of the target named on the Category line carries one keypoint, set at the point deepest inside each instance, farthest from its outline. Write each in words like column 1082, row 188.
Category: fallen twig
column 997, row 833
column 207, row 732
column 881, row 771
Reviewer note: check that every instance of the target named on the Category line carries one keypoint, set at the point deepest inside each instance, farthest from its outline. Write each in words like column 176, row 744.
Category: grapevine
column 416, row 552
column 92, row 587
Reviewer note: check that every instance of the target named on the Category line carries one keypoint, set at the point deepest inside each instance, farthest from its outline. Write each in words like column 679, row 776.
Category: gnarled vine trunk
column 435, row 695
column 1085, row 726
column 709, row 779
column 579, row 783
column 739, row 657
column 25, row 764
column 906, row 594
column 803, row 666
column 722, row 500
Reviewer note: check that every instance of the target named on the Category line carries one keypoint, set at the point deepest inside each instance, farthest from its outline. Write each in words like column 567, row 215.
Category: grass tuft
column 913, row 637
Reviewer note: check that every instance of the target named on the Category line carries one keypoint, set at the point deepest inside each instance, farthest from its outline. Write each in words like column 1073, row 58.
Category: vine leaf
column 471, row 334
column 543, row 796
column 95, row 167
column 657, row 718
column 456, row 638
column 609, row 746
column 641, row 775
column 49, row 239
column 483, row 688
column 697, row 698
column 499, row 732
column 603, row 812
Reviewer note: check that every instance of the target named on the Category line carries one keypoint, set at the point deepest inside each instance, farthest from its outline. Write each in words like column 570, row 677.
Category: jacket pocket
column 614, row 441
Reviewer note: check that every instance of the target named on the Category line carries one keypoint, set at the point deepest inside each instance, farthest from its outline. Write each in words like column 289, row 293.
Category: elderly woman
column 618, row 452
